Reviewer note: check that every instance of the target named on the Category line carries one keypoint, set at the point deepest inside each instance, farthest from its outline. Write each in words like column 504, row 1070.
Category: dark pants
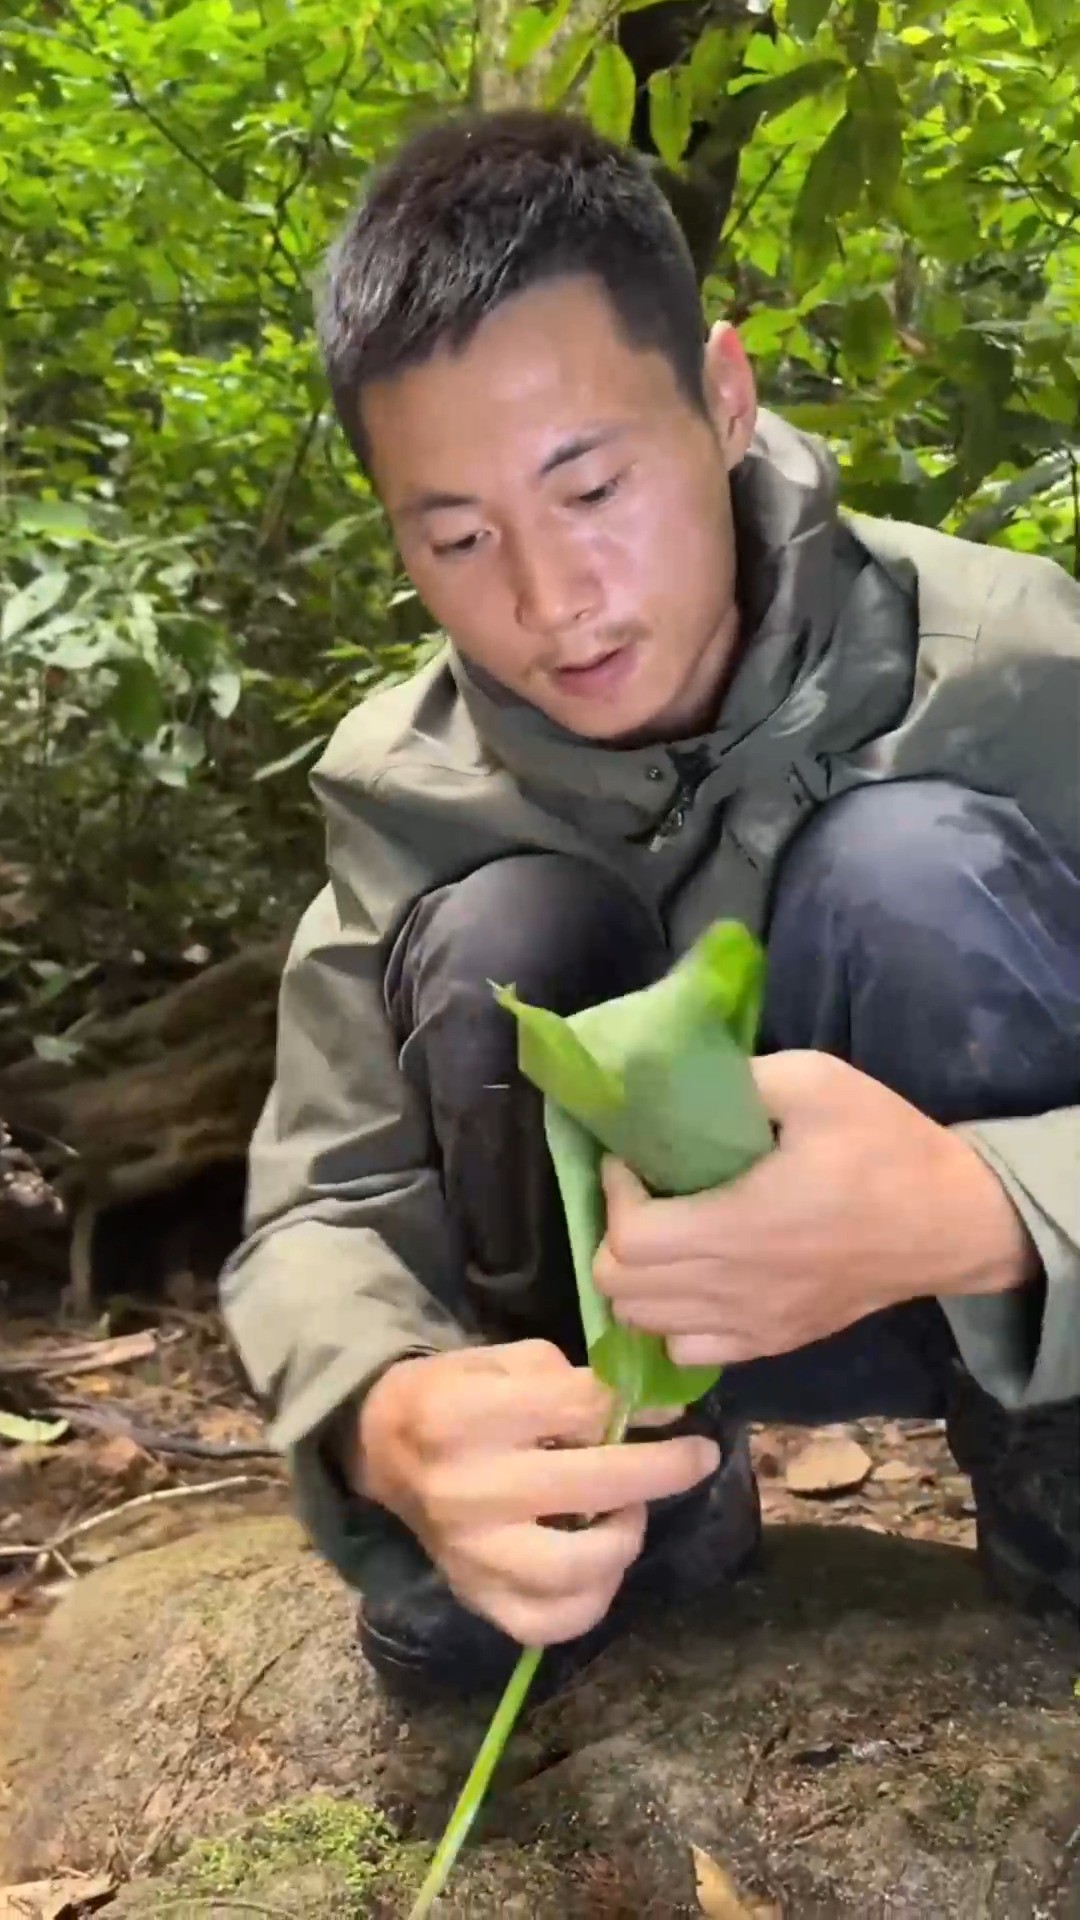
column 925, row 933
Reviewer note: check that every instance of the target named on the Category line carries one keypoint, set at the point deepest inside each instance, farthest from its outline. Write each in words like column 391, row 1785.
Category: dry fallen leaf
column 717, row 1897
column 55, row 1899
column 828, row 1466
column 118, row 1455
column 896, row 1472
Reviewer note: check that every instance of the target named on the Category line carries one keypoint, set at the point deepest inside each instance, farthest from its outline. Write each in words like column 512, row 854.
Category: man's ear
column 730, row 392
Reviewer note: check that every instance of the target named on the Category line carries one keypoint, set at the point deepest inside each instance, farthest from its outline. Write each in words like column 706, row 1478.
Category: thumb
column 622, row 1189
column 797, row 1086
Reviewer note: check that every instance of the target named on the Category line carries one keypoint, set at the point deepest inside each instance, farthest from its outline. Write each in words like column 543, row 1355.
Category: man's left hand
column 863, row 1203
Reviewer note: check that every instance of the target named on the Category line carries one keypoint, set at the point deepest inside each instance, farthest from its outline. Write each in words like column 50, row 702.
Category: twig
column 247, row 1688
column 742, row 214
column 826, row 1817
column 233, row 1483
column 112, row 1421
column 84, row 1356
column 765, row 1748
column 226, row 1900
column 170, row 134
column 181, row 1776
column 274, row 511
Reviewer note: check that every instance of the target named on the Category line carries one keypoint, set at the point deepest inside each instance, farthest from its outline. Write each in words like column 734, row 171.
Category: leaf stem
column 495, row 1739
column 476, row 1785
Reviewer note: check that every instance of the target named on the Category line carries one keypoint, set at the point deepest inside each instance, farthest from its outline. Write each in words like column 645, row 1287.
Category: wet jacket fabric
column 873, row 651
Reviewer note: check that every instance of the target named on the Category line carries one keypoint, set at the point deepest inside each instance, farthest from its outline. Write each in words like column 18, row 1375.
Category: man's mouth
column 598, row 675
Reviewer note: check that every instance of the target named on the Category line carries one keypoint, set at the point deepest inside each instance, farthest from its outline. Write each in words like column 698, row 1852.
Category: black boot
column 1025, row 1473
column 422, row 1642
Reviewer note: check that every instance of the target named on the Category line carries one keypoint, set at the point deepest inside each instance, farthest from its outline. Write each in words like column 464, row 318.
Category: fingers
column 543, row 1586
column 703, row 1350
column 502, row 1488
column 656, row 1417
column 513, row 1406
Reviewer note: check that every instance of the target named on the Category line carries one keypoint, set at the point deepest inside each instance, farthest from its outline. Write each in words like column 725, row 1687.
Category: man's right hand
column 474, row 1449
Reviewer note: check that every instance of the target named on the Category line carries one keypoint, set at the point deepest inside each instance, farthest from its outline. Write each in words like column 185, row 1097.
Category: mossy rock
column 331, row 1859
column 854, row 1730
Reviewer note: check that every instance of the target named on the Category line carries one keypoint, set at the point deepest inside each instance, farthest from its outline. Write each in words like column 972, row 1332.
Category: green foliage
column 903, row 257
column 192, row 574
column 190, row 568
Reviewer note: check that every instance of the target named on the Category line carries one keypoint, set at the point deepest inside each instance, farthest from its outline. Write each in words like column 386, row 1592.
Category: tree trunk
column 655, row 38
column 153, row 1124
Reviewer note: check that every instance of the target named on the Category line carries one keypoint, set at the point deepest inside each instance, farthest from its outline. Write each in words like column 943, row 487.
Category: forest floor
column 154, row 1403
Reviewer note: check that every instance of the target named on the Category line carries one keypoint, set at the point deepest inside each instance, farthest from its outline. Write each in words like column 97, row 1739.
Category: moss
column 352, row 1843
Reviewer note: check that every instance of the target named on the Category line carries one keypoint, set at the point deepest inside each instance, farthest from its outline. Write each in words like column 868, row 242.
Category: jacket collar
column 784, row 500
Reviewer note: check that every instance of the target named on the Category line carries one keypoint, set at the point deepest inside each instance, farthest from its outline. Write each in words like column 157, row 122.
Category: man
column 679, row 687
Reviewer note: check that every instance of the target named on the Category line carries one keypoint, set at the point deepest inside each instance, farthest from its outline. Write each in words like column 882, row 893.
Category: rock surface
column 856, row 1730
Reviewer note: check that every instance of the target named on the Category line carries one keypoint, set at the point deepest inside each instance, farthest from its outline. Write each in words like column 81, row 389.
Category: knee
column 565, row 933
column 895, row 861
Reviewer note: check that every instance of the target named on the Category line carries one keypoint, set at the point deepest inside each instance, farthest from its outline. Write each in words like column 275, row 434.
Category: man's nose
column 554, row 588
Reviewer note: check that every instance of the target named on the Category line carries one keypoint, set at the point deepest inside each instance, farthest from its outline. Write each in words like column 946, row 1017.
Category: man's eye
column 450, row 549
column 596, row 496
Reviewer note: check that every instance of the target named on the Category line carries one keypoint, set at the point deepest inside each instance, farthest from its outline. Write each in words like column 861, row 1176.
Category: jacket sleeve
column 1023, row 1365
column 348, row 1264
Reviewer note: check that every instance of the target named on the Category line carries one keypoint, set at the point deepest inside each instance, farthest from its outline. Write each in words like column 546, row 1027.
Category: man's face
column 564, row 511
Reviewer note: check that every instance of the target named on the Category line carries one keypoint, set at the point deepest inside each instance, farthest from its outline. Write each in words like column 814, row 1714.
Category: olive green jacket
column 876, row 651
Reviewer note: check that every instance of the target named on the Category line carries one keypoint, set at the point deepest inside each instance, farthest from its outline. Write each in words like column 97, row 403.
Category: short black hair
column 483, row 206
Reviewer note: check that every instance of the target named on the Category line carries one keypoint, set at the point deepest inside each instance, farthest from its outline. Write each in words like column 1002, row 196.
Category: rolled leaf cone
column 662, row 1079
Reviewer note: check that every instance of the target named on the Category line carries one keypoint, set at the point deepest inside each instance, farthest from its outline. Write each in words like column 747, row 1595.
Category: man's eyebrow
column 581, row 443
column 434, row 500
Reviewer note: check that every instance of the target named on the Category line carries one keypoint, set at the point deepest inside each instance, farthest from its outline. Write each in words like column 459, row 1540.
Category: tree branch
column 168, row 133
column 1046, row 474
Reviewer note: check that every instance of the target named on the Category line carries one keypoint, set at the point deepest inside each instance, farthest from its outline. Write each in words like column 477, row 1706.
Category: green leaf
column 765, row 99
column 712, row 63
column 56, row 519
column 532, row 30
column 804, row 17
column 174, row 755
column 636, row 1366
column 137, row 704
column 832, row 187
column 30, row 1433
column 566, row 66
column 861, row 21
column 224, row 689
column 31, row 603
column 611, row 93
column 732, row 965
column 555, row 1060
column 874, row 99
column 670, row 113
column 868, row 333
column 766, row 330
